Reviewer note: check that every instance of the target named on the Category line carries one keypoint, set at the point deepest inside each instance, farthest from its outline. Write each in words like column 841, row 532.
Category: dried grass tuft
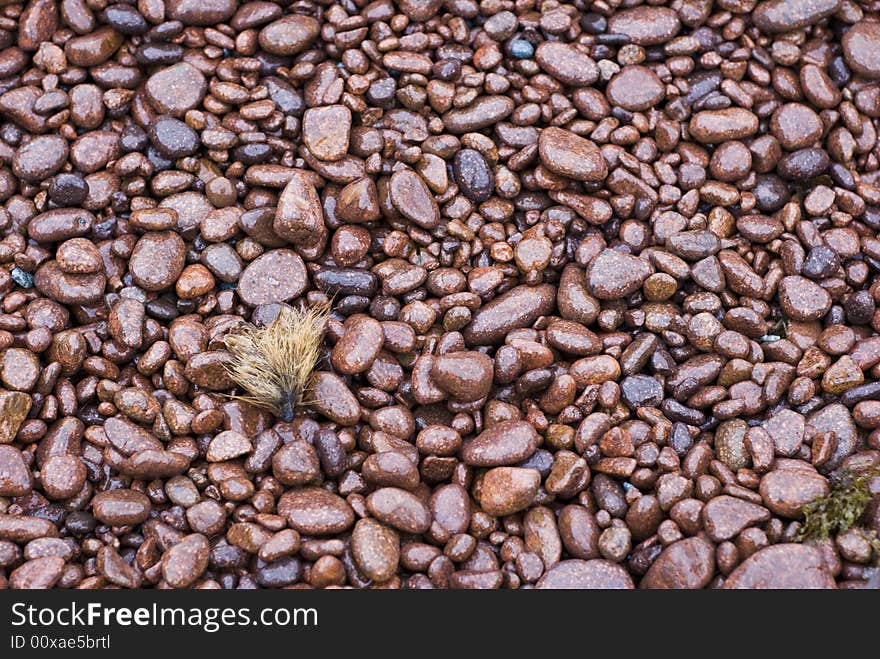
column 274, row 364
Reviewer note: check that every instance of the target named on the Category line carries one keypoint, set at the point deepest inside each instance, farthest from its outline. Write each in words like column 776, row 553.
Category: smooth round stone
column 375, row 549
column 473, row 175
column 507, row 490
column 731, row 161
column 802, row 299
column 276, row 276
column 613, row 274
column 40, row 158
column 635, row 88
column 504, row 443
column 641, row 391
column 399, row 509
column 176, row 89
column 484, row 112
column 796, row 126
column 15, row 477
column 289, row 35
column 578, row 574
column 93, row 48
column 195, row 280
column 93, row 150
column 775, row 16
column 567, row 64
column 157, row 260
column 412, row 199
column 358, row 348
column 223, row 262
column 60, row 224
column 358, row 202
column 517, row 308
column 693, row 245
column 730, row 444
column 861, row 48
column 200, row 12
column 121, row 507
column 782, row 567
column 19, row 369
column 68, row 190
column 332, row 398
column 79, row 256
column 125, row 19
column 787, row 491
column 298, row 216
column 570, row 155
column 837, row 419
column 185, row 561
column 315, row 511
column 325, row 131
column 464, row 376
column 804, row 164
column 645, row 26
column 725, row 516
column 37, row 574
column 69, row 289
column 684, row 565
column 717, row 126
column 63, row 476
column 173, row 138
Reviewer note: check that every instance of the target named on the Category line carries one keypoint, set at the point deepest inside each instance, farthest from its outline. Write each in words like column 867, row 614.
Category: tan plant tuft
column 274, row 364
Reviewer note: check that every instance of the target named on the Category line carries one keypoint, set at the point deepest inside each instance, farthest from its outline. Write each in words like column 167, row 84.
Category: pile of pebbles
column 603, row 275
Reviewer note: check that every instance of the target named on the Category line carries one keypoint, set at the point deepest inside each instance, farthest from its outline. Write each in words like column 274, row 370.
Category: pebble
column 786, row 491
column 37, row 574
column 567, row 64
column 570, row 155
column 289, row 35
column 802, row 299
column 716, row 126
column 472, row 174
column 399, row 509
column 19, row 369
column 464, row 376
column 504, row 443
column 276, row 276
column 121, row 507
column 184, row 563
column 645, row 26
column 173, row 138
column 684, row 565
column 578, row 574
column 375, row 549
column 613, row 274
column 40, row 158
column 412, row 199
column 298, row 217
column 176, row 89
column 635, row 88
column 517, row 308
column 796, row 126
column 725, row 517
column 325, row 131
column 782, row 566
column 861, row 48
column 788, row 15
column 482, row 113
column 315, row 511
column 157, row 260
column 14, row 408
column 507, row 490
column 15, row 477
